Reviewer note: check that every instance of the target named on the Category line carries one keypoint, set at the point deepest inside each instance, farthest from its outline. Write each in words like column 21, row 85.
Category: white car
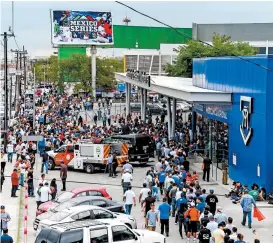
column 85, row 212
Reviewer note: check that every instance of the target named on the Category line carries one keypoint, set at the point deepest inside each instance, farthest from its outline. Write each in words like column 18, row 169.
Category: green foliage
column 222, row 46
column 78, row 69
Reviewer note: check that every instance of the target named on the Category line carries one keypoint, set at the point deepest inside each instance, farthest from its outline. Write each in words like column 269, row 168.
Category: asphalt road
column 113, row 185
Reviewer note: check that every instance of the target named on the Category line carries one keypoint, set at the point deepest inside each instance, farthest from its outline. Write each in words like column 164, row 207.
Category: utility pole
column 25, row 71
column 6, row 87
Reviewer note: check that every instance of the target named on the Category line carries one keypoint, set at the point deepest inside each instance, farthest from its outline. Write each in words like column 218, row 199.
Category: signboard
column 81, row 28
column 139, row 76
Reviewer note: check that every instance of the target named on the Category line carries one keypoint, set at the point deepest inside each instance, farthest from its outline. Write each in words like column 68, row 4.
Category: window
column 99, row 235
column 82, row 215
column 99, row 203
column 61, row 149
column 75, row 236
column 53, row 237
column 82, row 194
column 122, row 233
column 85, row 203
column 102, row 214
column 94, row 193
column 59, row 216
column 70, row 149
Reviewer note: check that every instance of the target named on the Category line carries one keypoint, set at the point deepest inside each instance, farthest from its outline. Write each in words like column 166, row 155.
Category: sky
column 32, row 19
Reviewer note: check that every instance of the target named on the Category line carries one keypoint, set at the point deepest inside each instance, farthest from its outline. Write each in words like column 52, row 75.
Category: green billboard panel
column 67, row 52
column 142, row 37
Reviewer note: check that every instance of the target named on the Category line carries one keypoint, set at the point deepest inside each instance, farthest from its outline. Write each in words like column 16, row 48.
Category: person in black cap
column 204, row 234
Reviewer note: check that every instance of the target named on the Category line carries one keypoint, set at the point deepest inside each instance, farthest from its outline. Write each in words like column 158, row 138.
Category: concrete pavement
column 12, row 204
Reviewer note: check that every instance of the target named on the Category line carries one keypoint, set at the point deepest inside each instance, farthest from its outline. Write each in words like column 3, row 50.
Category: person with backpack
column 181, row 209
column 172, row 195
column 192, row 217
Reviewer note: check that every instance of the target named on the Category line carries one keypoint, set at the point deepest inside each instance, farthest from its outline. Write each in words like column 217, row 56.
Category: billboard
column 81, row 28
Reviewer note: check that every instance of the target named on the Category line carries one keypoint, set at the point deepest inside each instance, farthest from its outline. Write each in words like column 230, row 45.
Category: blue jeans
column 30, row 189
column 44, row 164
column 249, row 215
column 128, row 208
column 10, row 157
column 155, row 192
column 173, row 206
column 22, row 179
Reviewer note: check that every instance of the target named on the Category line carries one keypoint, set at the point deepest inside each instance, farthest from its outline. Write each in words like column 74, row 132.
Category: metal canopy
column 179, row 88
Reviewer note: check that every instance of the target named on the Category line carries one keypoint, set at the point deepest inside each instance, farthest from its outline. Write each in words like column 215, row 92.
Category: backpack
column 205, row 219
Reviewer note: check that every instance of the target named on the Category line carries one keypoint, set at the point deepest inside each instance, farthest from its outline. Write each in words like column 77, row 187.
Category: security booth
column 239, row 134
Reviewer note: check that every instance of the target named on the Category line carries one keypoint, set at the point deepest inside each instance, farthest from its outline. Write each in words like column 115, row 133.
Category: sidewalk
column 12, row 204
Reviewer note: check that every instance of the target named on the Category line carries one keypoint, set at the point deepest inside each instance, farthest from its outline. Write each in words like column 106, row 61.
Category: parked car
column 94, row 231
column 85, row 212
column 113, row 206
column 76, row 192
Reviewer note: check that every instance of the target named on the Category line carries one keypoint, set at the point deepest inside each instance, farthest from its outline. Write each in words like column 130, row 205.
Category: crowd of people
column 169, row 183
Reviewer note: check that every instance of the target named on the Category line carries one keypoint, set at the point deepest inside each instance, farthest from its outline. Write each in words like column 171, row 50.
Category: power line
column 190, row 38
column 16, row 42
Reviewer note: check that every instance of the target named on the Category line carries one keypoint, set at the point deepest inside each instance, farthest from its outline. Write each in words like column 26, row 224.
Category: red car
column 39, row 92
column 76, row 192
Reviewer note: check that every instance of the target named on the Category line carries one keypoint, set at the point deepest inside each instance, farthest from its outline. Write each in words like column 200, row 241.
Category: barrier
column 25, row 213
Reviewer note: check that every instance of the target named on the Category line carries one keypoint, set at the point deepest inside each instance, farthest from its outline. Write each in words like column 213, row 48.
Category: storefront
column 239, row 134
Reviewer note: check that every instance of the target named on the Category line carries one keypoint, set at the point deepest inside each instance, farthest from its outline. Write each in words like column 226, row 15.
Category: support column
column 193, row 124
column 144, row 104
column 173, row 117
column 141, row 104
column 128, row 93
column 169, row 117
column 93, row 69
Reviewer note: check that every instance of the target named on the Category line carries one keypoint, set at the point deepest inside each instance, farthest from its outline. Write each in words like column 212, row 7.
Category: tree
column 221, row 46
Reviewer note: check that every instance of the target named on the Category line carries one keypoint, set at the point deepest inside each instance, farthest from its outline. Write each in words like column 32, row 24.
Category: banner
column 81, row 28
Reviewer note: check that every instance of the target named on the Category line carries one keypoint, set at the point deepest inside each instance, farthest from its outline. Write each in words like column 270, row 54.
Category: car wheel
column 89, row 168
column 51, row 164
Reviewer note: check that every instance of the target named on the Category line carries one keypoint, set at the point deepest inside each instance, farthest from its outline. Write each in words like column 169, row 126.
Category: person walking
column 128, row 166
column 165, row 212
column 143, row 194
column 38, row 194
column 4, row 160
column 109, row 165
column 129, row 198
column 148, row 201
column 30, row 182
column 172, row 196
column 63, row 175
column 5, row 238
column 192, row 216
column 45, row 159
column 45, row 193
column 204, row 234
column 219, row 234
column 5, row 218
column 2, row 180
column 220, row 216
column 212, row 200
column 10, row 149
column 126, row 180
column 206, row 168
column 14, row 182
column 53, row 188
column 151, row 218
column 246, row 204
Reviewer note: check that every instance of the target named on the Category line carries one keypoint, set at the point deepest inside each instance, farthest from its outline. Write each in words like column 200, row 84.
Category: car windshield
column 65, row 205
column 64, row 196
column 59, row 216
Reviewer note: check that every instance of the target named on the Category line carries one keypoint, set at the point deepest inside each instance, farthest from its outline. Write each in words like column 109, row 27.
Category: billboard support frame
column 93, row 69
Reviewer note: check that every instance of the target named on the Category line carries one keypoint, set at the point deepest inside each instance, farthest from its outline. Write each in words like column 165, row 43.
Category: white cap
column 192, row 204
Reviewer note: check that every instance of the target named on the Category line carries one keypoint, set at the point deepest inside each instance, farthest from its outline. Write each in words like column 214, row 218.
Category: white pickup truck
column 97, row 231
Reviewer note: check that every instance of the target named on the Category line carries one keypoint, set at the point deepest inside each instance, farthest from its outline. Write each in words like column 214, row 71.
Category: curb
column 19, row 217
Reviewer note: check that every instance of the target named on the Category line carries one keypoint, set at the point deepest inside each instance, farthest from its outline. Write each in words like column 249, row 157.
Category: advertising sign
column 81, row 28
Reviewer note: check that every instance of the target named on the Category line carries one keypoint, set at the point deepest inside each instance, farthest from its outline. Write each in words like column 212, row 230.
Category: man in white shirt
column 129, row 198
column 18, row 150
column 212, row 225
column 143, row 194
column 45, row 193
column 219, row 234
column 158, row 166
column 10, row 150
column 126, row 180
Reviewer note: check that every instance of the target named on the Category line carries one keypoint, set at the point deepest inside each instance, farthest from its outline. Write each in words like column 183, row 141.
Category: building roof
column 180, row 88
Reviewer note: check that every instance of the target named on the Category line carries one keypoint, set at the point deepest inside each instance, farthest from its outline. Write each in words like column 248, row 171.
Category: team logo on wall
column 246, row 109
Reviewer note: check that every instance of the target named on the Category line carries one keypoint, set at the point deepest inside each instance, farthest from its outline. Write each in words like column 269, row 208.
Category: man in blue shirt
column 200, row 206
column 151, row 218
column 5, row 238
column 246, row 204
column 165, row 212
column 109, row 164
column 161, row 178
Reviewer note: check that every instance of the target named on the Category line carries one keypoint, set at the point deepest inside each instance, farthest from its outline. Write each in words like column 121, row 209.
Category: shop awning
column 180, row 88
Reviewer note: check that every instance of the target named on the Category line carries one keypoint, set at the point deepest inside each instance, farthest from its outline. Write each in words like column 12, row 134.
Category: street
column 113, row 185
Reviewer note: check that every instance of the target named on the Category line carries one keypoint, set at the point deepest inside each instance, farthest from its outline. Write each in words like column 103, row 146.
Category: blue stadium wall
column 241, row 78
